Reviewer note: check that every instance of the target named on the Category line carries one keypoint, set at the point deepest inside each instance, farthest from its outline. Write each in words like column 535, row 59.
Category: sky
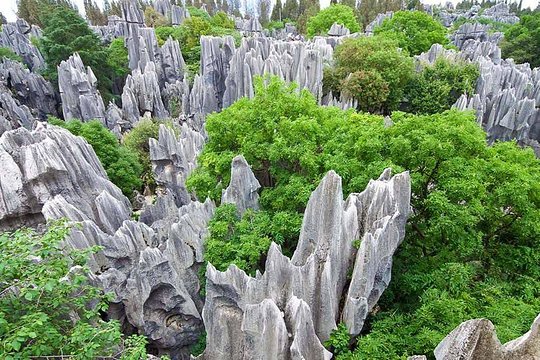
column 9, row 7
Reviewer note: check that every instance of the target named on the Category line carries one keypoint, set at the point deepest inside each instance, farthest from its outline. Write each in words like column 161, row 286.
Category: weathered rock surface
column 338, row 30
column 12, row 114
column 179, row 14
column 173, row 158
column 308, row 288
column 49, row 164
column 379, row 19
column 17, row 36
column 476, row 339
column 29, row 88
column 78, row 90
column 242, row 190
column 290, row 60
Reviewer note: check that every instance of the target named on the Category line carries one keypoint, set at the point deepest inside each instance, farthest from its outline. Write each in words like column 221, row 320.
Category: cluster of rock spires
column 152, row 265
column 498, row 13
column 507, row 95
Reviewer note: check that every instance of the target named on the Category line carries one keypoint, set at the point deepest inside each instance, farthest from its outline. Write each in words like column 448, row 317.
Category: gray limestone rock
column 308, row 287
column 29, row 88
column 17, row 36
column 179, row 14
column 338, row 30
column 379, row 19
column 173, row 158
column 500, row 13
column 78, row 90
column 12, row 114
column 49, row 162
column 476, row 339
column 242, row 190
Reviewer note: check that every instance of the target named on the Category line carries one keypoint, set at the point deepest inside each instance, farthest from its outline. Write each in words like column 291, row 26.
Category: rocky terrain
column 343, row 261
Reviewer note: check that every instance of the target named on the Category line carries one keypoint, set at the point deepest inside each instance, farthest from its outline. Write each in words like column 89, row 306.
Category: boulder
column 242, row 190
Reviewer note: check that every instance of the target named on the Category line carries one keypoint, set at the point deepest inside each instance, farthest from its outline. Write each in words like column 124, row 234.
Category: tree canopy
column 522, row 40
column 415, row 31
column 323, row 20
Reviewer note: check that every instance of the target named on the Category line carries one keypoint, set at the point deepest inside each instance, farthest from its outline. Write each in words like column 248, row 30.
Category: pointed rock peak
column 242, row 190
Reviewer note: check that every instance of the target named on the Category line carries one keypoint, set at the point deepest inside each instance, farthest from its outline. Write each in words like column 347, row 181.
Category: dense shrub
column 415, row 31
column 436, row 88
column 341, row 14
column 121, row 164
column 378, row 58
column 522, row 40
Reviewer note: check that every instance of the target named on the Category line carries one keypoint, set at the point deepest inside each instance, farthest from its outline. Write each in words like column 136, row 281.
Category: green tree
column 372, row 55
column 437, row 87
column 369, row 9
column 290, row 10
column 36, row 11
column 121, row 164
column 94, row 14
column 66, row 33
column 277, row 11
column 341, row 14
column 136, row 141
column 48, row 308
column 117, row 60
column 522, row 40
column 368, row 88
column 415, row 31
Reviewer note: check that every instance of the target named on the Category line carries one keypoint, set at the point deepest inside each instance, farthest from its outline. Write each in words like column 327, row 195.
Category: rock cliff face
column 29, row 88
column 17, row 36
column 288, row 311
column 173, row 158
column 47, row 165
column 78, row 90
column 12, row 114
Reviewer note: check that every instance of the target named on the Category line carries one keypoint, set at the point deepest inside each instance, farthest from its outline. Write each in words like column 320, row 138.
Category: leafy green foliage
column 437, row 87
column 136, row 141
column 379, row 59
column 341, row 14
column 7, row 53
column 368, row 88
column 36, row 11
column 415, row 31
column 120, row 163
column 65, row 33
column 522, row 40
column 471, row 248
column 46, row 309
column 240, row 241
column 339, row 340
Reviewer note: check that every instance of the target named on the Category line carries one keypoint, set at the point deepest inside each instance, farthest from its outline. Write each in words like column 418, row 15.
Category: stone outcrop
column 78, row 90
column 173, row 158
column 500, row 13
column 17, row 37
column 48, row 170
column 476, row 339
column 29, row 88
column 338, row 30
column 242, row 190
column 288, row 311
column 179, row 14
column 290, row 60
column 379, row 19
column 12, row 113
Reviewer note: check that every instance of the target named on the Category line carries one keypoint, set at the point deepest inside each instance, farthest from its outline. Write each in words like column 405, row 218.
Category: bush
column 415, row 31
column 436, row 88
column 368, row 88
column 341, row 14
column 136, row 141
column 377, row 58
column 121, row 164
column 43, row 310
column 521, row 41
